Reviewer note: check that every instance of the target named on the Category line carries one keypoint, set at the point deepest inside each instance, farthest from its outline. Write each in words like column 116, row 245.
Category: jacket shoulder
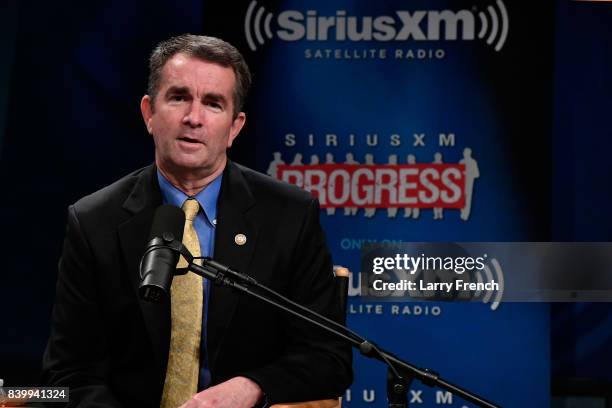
column 111, row 197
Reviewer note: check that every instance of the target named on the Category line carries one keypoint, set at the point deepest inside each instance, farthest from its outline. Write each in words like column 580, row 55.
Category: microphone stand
column 400, row 373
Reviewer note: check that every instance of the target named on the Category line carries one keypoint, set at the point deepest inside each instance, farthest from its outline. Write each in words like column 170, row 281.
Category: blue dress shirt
column 204, row 224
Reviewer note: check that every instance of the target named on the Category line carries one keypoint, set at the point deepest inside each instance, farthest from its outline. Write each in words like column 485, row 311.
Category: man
column 471, row 173
column 113, row 349
column 438, row 212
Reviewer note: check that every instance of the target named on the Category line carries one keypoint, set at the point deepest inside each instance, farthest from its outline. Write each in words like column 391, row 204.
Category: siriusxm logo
column 490, row 26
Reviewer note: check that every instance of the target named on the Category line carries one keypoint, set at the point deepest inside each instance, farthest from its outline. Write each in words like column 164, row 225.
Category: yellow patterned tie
column 187, row 297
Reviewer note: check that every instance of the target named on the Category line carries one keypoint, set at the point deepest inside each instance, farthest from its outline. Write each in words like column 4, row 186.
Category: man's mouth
column 189, row 139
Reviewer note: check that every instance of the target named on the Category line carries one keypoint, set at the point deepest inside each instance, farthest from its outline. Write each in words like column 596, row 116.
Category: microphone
column 159, row 261
column 221, row 270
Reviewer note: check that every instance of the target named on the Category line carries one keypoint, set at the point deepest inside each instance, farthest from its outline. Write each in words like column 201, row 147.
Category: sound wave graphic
column 256, row 29
column 496, row 275
column 498, row 25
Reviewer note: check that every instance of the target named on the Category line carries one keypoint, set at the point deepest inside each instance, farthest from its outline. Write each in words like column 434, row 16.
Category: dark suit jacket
column 111, row 348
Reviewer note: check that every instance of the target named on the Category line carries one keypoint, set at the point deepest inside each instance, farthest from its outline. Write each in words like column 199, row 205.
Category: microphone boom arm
column 403, row 372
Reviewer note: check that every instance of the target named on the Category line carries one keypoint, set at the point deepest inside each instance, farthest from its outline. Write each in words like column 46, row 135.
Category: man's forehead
column 185, row 71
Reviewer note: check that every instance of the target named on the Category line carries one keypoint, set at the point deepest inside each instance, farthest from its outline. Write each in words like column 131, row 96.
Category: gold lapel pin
column 240, row 239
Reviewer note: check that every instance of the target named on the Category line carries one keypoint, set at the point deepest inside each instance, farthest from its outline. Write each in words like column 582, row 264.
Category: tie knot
column 191, row 208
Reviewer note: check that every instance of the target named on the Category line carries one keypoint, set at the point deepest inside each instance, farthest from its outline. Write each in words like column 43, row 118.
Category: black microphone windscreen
column 168, row 218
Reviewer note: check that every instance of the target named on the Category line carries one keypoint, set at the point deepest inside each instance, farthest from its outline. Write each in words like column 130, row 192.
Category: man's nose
column 194, row 115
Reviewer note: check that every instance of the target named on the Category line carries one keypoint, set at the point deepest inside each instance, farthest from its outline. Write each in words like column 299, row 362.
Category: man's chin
column 187, row 160
column 183, row 167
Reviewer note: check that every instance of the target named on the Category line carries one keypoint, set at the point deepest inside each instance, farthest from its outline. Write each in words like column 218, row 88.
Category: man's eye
column 177, row 98
column 215, row 105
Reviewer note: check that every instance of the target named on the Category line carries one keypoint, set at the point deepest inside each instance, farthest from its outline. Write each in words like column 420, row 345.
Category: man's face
column 192, row 119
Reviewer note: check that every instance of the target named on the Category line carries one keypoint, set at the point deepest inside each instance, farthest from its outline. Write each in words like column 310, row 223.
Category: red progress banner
column 426, row 185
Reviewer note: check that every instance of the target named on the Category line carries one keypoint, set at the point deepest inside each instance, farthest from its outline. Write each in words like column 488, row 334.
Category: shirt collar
column 207, row 198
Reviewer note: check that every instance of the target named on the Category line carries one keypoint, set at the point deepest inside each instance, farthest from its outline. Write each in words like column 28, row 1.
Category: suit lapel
column 233, row 219
column 144, row 198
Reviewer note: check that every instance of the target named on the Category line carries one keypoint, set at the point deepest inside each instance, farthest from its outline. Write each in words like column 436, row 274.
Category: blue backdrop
column 533, row 113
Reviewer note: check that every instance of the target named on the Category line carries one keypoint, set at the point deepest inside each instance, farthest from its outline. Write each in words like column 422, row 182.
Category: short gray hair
column 209, row 49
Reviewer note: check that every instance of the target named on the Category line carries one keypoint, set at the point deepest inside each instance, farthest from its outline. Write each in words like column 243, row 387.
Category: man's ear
column 146, row 108
column 237, row 125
